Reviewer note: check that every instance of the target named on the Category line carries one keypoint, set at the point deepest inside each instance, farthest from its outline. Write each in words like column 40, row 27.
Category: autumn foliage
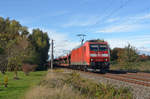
column 125, row 56
column 27, row 68
column 18, row 47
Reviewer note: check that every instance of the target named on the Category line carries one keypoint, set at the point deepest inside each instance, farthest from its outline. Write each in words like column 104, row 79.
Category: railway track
column 129, row 79
column 138, row 83
column 134, row 78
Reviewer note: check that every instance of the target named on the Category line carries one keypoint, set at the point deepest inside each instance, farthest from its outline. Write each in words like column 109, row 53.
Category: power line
column 114, row 11
column 109, row 6
column 134, row 21
column 145, row 9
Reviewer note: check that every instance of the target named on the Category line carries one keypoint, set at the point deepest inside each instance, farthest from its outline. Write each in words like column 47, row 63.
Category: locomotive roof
column 92, row 42
column 98, row 40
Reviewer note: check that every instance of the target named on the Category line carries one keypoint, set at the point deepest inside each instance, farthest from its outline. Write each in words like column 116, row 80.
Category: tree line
column 18, row 46
column 127, row 55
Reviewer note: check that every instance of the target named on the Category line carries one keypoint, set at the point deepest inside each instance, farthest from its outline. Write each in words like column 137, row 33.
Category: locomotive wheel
column 85, row 68
column 103, row 71
column 82, row 68
column 73, row 67
column 78, row 68
column 70, row 66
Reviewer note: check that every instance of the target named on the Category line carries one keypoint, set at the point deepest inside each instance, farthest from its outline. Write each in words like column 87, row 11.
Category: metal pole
column 52, row 43
column 82, row 38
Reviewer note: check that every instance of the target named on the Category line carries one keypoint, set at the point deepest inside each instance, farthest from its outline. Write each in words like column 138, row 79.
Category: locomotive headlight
column 105, row 59
column 93, row 55
column 104, row 55
column 92, row 60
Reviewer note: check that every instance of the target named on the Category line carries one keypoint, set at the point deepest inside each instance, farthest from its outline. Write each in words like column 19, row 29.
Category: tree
column 2, row 25
column 18, row 47
column 40, row 42
column 127, row 55
column 17, row 50
column 3, row 62
column 114, row 53
column 3, row 54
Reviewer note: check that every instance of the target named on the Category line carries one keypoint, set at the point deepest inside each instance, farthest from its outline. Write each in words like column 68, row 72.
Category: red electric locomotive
column 93, row 54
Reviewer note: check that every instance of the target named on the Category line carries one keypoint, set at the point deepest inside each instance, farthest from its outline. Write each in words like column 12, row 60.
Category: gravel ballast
column 139, row 91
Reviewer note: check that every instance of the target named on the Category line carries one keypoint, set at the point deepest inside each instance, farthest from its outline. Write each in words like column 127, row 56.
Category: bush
column 72, row 86
column 127, row 57
column 97, row 90
column 26, row 68
column 5, row 81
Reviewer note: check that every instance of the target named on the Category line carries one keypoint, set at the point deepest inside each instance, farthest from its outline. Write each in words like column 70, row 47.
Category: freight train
column 93, row 54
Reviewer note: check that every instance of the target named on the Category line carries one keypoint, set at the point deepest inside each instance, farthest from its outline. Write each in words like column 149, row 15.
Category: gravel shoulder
column 139, row 91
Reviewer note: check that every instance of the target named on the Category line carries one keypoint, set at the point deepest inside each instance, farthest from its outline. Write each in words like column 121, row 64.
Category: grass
column 63, row 85
column 17, row 88
column 137, row 66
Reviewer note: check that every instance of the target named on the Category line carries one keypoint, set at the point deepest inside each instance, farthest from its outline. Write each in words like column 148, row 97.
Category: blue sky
column 118, row 21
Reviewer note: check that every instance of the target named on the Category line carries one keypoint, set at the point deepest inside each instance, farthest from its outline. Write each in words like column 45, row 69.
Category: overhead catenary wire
column 147, row 10
column 108, row 6
column 104, row 18
column 60, row 50
column 133, row 20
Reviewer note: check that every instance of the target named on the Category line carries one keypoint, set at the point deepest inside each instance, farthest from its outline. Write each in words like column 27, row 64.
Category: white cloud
column 112, row 20
column 142, row 17
column 82, row 20
column 144, row 49
column 27, row 20
column 139, row 42
column 119, row 28
column 57, row 13
column 125, row 24
column 62, row 44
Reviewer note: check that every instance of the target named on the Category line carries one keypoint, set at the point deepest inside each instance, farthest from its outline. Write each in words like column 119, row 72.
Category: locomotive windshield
column 98, row 47
column 94, row 47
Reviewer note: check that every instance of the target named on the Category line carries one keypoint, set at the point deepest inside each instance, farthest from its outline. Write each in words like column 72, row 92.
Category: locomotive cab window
column 103, row 47
column 93, row 47
column 98, row 47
